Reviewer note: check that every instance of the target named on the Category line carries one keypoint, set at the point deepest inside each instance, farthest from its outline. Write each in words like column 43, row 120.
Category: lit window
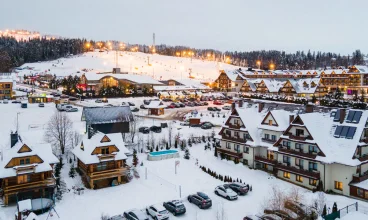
column 269, row 122
column 338, row 185
column 287, row 175
column 312, row 182
column 360, row 192
column 299, row 178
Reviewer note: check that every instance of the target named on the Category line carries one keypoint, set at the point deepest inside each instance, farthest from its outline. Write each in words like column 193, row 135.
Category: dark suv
column 201, row 200
column 155, row 129
column 240, row 189
column 175, row 207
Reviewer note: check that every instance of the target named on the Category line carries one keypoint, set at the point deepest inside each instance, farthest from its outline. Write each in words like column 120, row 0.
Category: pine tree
column 189, row 143
column 334, row 207
column 215, row 152
column 167, row 146
column 72, row 171
column 187, row 154
column 135, row 158
column 176, row 143
column 156, row 147
column 324, row 212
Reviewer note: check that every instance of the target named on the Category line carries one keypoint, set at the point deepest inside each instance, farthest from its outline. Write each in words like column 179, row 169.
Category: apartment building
column 315, row 150
column 6, row 86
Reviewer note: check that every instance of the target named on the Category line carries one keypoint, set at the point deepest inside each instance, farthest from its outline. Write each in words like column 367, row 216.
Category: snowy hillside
column 159, row 67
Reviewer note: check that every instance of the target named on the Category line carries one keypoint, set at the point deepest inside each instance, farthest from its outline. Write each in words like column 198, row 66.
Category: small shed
column 156, row 108
column 194, row 121
column 40, row 98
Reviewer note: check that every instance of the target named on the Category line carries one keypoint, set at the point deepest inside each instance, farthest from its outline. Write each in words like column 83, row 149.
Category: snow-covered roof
column 89, row 145
column 362, row 185
column 24, row 205
column 337, row 150
column 192, row 83
column 361, row 68
column 274, row 85
column 43, row 151
column 281, row 117
column 155, row 104
column 139, row 79
column 103, row 115
column 232, row 74
column 305, row 85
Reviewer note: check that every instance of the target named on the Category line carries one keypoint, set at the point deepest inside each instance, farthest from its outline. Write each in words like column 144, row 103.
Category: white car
column 135, row 214
column 226, row 193
column 157, row 212
column 184, row 123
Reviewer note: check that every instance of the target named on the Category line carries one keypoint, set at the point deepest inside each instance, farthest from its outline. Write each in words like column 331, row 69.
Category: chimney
column 116, row 70
column 309, row 108
column 342, row 115
column 240, row 103
column 232, row 106
column 291, row 118
column 260, row 106
column 13, row 138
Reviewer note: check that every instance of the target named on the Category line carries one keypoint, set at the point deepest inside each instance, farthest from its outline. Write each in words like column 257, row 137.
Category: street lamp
column 272, row 66
column 259, row 64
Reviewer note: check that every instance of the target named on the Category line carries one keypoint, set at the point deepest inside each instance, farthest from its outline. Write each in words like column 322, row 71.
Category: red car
column 217, row 102
column 171, row 106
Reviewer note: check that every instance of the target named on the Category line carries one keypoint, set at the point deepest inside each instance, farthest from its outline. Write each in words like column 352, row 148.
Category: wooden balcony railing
column 297, row 152
column 230, row 153
column 233, row 138
column 359, row 178
column 30, row 185
column 363, row 158
column 299, row 138
column 268, row 140
column 299, row 171
column 109, row 173
column 234, row 126
column 265, row 159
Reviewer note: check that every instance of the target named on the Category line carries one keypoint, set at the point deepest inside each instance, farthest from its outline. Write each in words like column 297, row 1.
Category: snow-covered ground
column 162, row 183
column 161, row 67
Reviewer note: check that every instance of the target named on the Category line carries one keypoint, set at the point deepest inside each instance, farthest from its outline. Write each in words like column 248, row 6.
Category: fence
column 344, row 211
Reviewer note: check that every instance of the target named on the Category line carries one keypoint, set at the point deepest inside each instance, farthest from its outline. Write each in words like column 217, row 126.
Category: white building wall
column 341, row 173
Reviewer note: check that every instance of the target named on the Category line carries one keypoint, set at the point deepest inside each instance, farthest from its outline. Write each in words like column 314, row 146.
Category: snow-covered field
column 162, row 183
column 161, row 67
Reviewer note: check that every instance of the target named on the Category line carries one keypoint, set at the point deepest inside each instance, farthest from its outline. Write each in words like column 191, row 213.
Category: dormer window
column 24, row 161
column 105, row 150
column 299, row 132
column 270, row 122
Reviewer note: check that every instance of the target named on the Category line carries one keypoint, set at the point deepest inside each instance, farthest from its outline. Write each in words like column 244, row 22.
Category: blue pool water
column 163, row 152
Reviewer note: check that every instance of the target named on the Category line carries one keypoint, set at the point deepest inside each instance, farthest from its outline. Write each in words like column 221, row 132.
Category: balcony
column 268, row 140
column 109, row 173
column 363, row 158
column 297, row 152
column 30, row 185
column 298, row 171
column 299, row 138
column 233, row 138
column 234, row 126
column 265, row 160
column 230, row 153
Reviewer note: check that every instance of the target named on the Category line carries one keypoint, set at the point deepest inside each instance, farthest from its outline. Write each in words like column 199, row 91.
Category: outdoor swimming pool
column 162, row 155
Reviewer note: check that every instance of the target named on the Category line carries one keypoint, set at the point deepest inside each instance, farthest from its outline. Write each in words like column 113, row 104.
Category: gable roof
column 104, row 115
column 89, row 145
column 281, row 117
column 155, row 104
column 139, row 79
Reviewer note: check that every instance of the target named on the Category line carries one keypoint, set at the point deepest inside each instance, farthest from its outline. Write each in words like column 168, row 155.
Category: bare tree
column 296, row 195
column 75, row 139
column 275, row 199
column 170, row 133
column 152, row 140
column 320, row 202
column 59, row 130
column 133, row 127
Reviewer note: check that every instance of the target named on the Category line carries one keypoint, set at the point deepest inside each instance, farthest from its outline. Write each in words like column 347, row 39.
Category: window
column 270, row 122
column 246, row 149
column 105, row 150
column 24, row 179
column 313, row 149
column 228, row 145
column 236, row 121
column 247, row 136
column 267, row 136
column 236, row 134
column 366, row 194
column 360, row 192
column 299, row 132
column 287, row 175
column 237, row 148
column 286, row 159
column 338, row 185
column 101, row 166
column 273, row 137
column 245, row 162
column 312, row 182
column 299, row 178
column 298, row 146
column 313, row 166
column 24, row 161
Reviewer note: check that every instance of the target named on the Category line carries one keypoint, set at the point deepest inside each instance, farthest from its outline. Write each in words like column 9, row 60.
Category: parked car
column 146, row 102
column 157, row 212
column 253, row 217
column 64, row 107
column 216, row 109
column 135, row 214
column 175, row 207
column 16, row 101
column 226, row 193
column 124, row 103
column 131, row 104
column 41, row 105
column 144, row 130
column 239, row 188
column 201, row 200
column 171, row 106
column 217, row 102
column 64, row 96
column 73, row 99
column 134, row 109
column 226, row 107
column 206, row 126
column 142, row 107
column 6, row 101
column 211, row 109
column 98, row 101
column 167, row 100
column 181, row 105
column 72, row 110
column 23, row 105
column 190, row 104
column 205, row 103
column 155, row 129
column 184, row 123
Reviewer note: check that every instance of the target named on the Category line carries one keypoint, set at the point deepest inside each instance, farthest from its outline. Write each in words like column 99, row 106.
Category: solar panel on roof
column 344, row 131
column 350, row 116
column 351, row 133
column 357, row 116
column 338, row 131
column 337, row 115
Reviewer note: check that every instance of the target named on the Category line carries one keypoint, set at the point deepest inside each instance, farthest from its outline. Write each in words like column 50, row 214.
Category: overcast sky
column 328, row 25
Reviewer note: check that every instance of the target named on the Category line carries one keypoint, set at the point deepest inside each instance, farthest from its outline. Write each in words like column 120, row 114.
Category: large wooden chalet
column 101, row 159
column 26, row 172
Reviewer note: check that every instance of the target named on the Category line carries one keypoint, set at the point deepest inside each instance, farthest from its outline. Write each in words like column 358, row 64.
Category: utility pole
column 154, row 43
